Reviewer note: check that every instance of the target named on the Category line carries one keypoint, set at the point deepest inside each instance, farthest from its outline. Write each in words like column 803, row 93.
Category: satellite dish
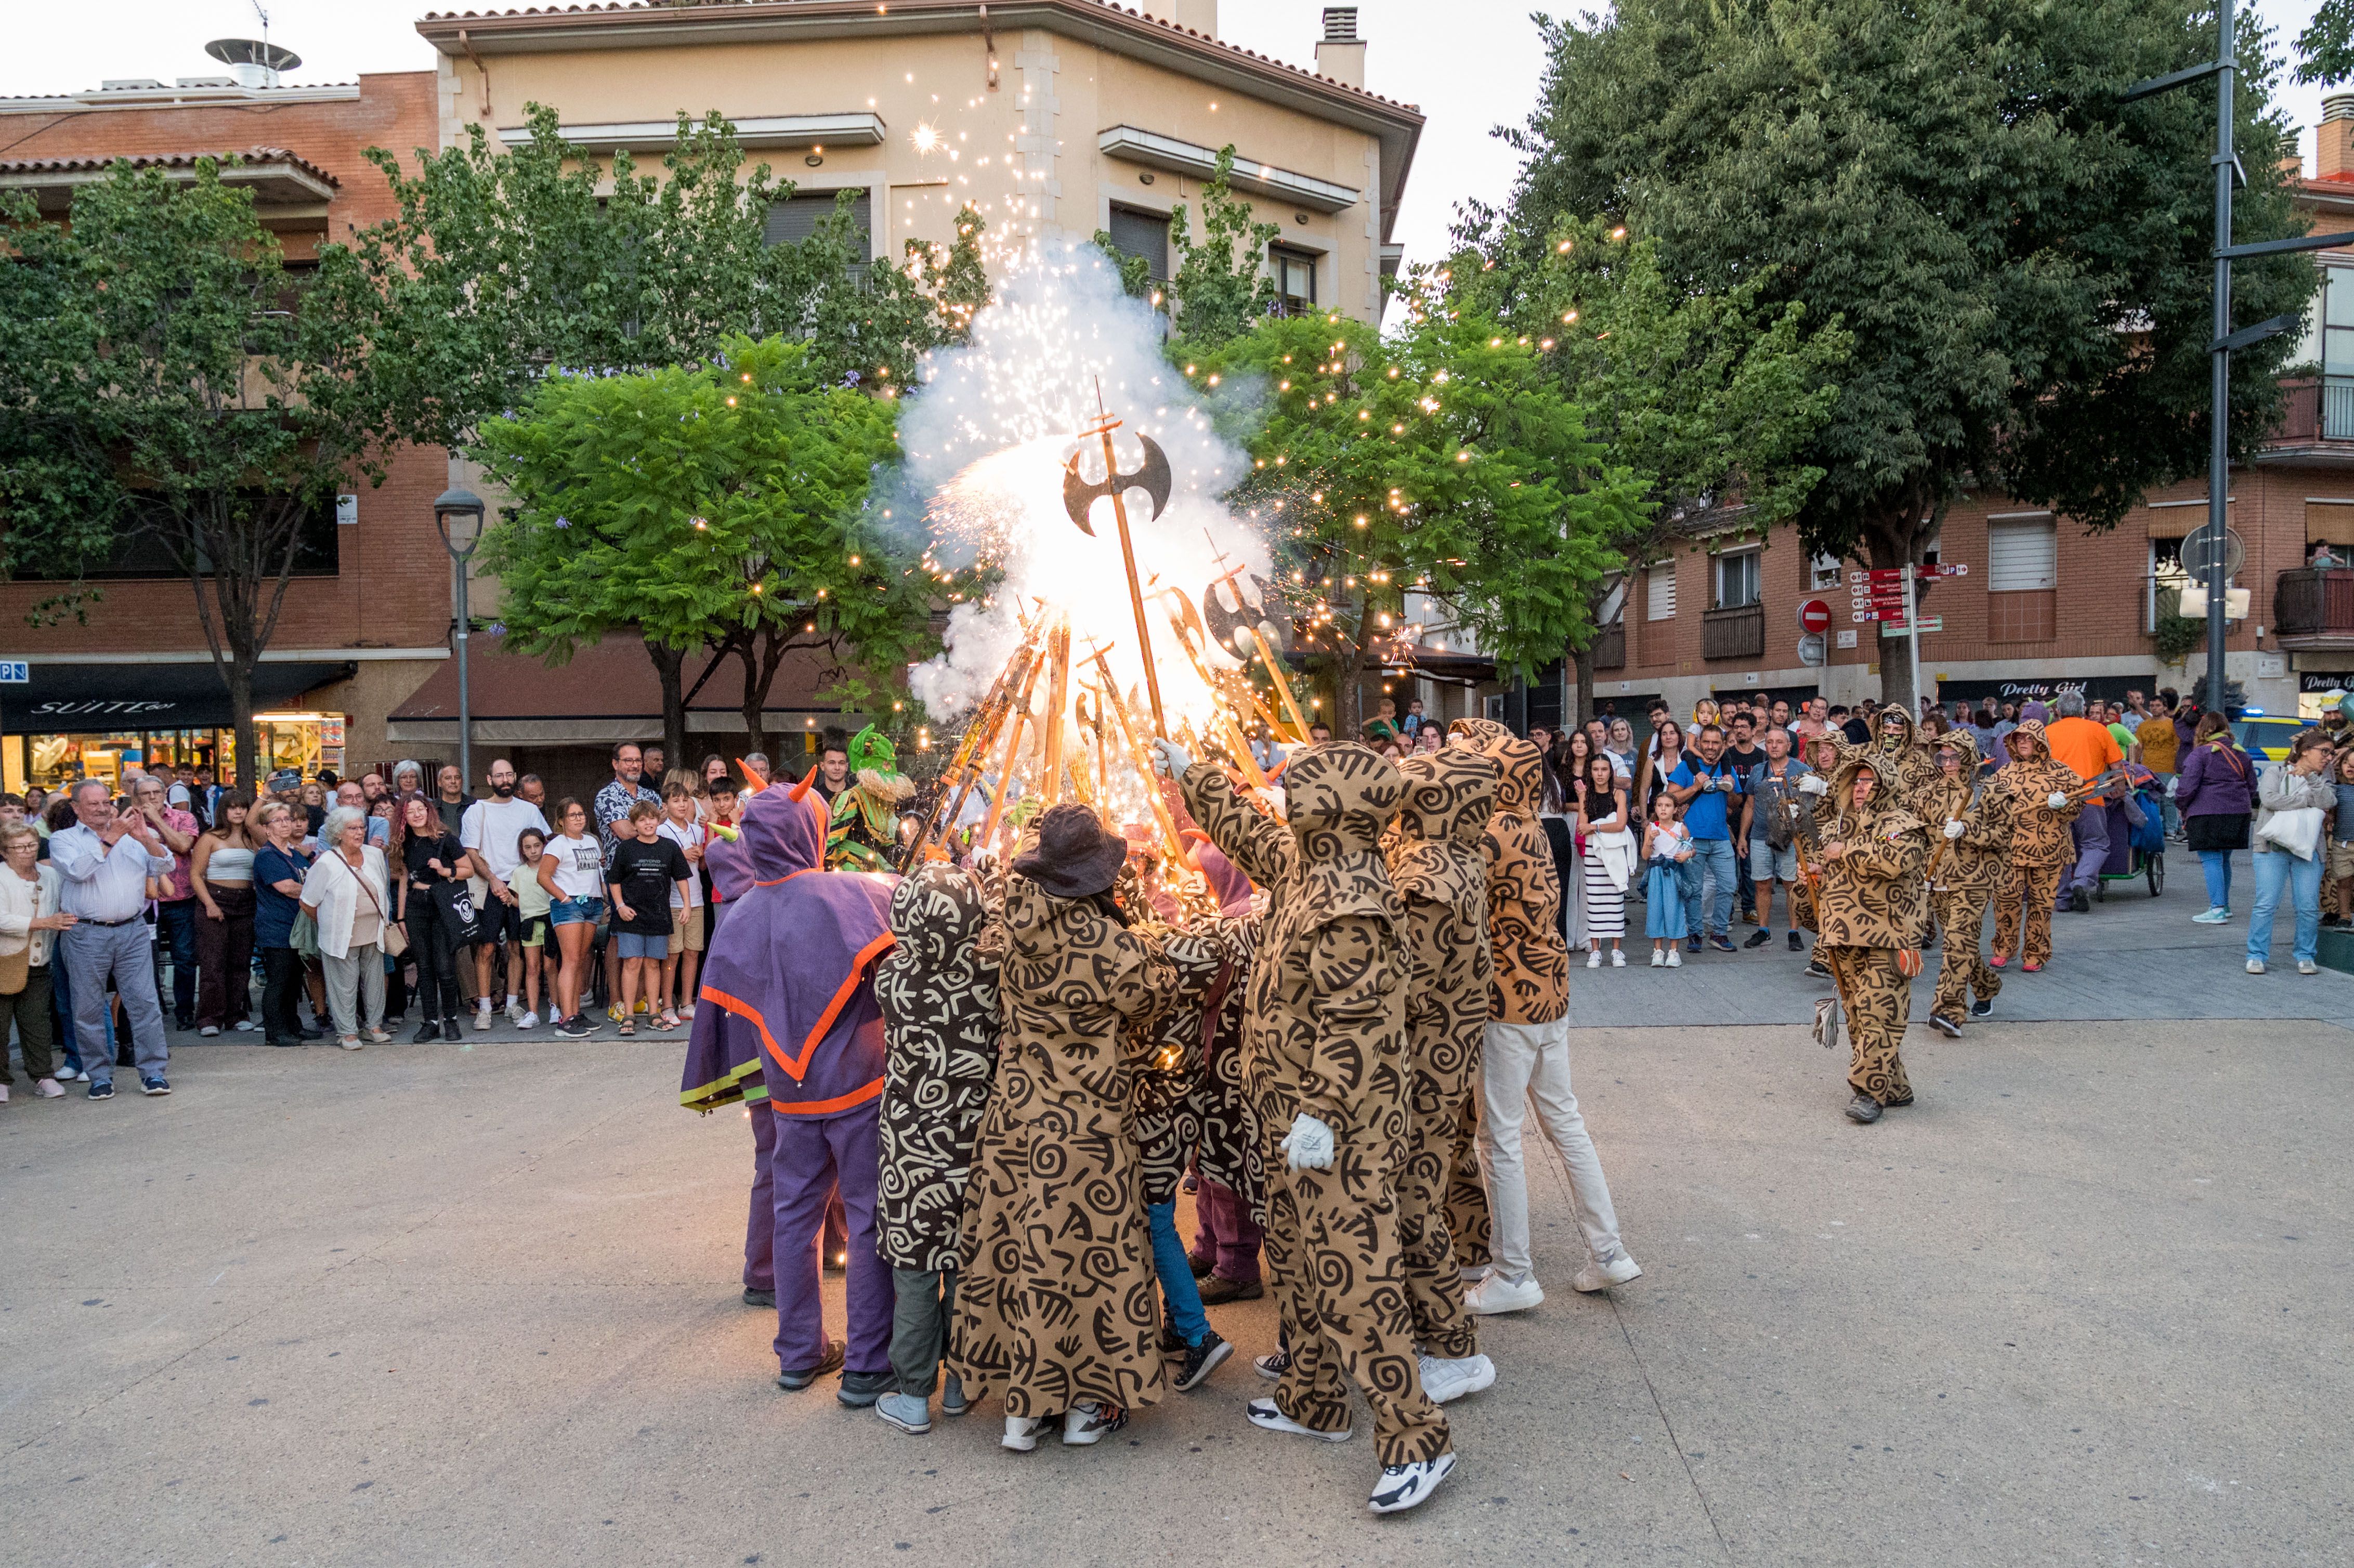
column 253, row 51
column 2199, row 552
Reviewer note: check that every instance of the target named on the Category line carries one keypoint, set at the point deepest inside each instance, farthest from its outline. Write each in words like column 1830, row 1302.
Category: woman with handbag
column 28, row 923
column 221, row 870
column 278, row 869
column 2291, row 801
column 345, row 896
column 434, row 911
column 2215, row 793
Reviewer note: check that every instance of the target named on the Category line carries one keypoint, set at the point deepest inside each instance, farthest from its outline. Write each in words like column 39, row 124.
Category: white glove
column 2056, row 800
column 1814, row 784
column 1308, row 1144
column 1955, row 830
column 1169, row 759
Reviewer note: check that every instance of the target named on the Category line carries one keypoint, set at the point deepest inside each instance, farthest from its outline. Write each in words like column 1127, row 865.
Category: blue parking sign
column 15, row 672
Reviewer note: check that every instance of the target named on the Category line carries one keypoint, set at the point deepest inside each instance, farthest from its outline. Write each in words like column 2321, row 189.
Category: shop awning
column 2042, row 689
column 63, row 696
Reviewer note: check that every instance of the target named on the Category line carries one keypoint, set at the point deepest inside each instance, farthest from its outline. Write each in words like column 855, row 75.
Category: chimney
column 1341, row 54
column 2333, row 139
column 1202, row 15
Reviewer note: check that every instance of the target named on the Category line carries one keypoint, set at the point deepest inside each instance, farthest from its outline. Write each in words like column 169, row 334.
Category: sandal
column 628, row 1026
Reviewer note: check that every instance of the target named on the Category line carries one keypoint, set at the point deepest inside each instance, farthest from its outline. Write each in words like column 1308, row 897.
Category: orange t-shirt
column 2088, row 748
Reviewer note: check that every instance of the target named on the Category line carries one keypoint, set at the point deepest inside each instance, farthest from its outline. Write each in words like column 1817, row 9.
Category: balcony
column 2313, row 608
column 1736, row 633
column 2316, row 427
column 1609, row 650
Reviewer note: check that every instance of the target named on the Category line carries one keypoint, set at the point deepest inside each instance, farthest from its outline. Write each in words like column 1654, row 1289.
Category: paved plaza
column 2087, row 1303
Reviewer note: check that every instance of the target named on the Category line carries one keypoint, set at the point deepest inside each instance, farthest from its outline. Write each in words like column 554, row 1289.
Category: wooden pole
column 1282, row 686
column 1110, row 694
column 1135, row 587
column 1012, row 750
column 1059, row 693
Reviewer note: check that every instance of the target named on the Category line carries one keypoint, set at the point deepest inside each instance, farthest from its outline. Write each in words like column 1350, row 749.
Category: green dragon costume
column 865, row 832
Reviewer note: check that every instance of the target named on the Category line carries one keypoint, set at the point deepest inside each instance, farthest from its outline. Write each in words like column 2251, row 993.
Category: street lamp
column 458, row 513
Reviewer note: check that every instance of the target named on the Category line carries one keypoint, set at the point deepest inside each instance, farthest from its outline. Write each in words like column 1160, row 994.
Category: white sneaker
column 1402, row 1486
column 528, row 1020
column 2255, row 966
column 350, row 1043
column 2308, row 967
column 1659, row 959
column 1675, row 958
column 243, row 1026
column 208, row 1031
column 482, row 1016
column 1022, row 1432
column 516, row 1015
column 1084, row 1424
column 1265, row 1414
column 1617, row 957
column 1602, row 1276
column 1497, row 1294
column 46, row 1089
column 1593, row 958
column 65, row 1074
column 1444, row 1379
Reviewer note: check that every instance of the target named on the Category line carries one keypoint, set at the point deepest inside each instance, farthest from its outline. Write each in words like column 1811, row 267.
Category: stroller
column 2137, row 834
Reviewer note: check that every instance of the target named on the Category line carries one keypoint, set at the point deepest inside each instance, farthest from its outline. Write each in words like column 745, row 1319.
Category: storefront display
column 93, row 720
column 2319, row 692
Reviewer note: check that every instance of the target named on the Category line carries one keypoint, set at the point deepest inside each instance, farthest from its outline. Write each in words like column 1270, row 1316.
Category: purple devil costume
column 788, row 1001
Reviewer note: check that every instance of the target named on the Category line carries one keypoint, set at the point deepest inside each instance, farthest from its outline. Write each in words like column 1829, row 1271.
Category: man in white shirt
column 490, row 830
column 103, row 863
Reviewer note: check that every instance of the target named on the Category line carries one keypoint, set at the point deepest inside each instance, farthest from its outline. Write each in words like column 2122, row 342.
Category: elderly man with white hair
column 103, row 862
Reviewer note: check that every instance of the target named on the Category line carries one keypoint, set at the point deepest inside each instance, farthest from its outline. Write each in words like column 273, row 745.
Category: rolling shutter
column 2023, row 556
column 795, row 218
column 1144, row 234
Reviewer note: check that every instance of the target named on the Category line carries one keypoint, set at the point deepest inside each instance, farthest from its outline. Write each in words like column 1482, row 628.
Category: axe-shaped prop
column 1079, row 497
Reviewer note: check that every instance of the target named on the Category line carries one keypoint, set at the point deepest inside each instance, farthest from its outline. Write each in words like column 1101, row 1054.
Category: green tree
column 2020, row 258
column 172, row 392
column 1709, row 398
column 2326, row 47
column 1443, row 463
column 953, row 275
column 723, row 506
column 1222, row 286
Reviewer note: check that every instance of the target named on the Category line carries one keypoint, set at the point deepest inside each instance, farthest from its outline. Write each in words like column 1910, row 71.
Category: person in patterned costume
column 1524, row 1043
column 1436, row 864
column 1324, row 1049
column 937, row 991
column 1873, row 908
column 1056, row 1309
column 1971, row 818
column 1228, row 1199
column 1896, row 740
column 2041, row 847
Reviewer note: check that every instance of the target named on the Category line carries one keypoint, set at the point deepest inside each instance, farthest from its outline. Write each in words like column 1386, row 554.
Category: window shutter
column 1144, row 234
column 2329, row 522
column 796, row 218
column 1663, row 578
column 2023, row 556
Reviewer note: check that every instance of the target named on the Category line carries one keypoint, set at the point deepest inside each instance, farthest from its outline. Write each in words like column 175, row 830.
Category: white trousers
column 1521, row 1062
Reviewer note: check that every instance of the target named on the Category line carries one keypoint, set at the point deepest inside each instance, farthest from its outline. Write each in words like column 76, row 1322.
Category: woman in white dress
column 1609, row 861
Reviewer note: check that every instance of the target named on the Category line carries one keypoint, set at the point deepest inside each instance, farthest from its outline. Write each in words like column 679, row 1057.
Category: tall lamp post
column 458, row 513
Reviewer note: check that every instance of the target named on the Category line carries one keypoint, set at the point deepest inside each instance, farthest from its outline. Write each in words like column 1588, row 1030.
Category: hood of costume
column 1530, row 962
column 1438, row 864
column 1875, row 895
column 2039, row 835
column 936, row 989
column 788, row 976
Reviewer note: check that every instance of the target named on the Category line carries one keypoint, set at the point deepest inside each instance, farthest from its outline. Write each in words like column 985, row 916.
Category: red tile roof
column 100, row 163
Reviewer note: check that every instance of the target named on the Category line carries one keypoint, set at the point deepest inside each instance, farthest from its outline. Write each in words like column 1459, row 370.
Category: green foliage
column 2326, row 47
column 503, row 266
column 957, row 282
column 1444, row 462
column 2179, row 635
column 169, row 384
column 1135, row 272
column 723, row 506
column 1222, row 286
column 2021, row 259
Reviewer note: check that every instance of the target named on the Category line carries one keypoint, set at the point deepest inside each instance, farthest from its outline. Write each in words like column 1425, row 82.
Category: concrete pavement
column 2086, row 1303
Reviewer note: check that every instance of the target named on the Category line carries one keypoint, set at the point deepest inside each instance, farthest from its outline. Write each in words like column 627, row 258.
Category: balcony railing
column 2318, row 410
column 1609, row 652
column 2310, row 601
column 1736, row 633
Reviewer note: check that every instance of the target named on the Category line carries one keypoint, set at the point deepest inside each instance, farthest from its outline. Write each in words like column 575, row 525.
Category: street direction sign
column 1928, row 623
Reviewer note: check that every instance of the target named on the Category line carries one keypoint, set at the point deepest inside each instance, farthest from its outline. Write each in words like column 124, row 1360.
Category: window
column 2329, row 349
column 1738, row 577
column 796, row 218
column 1295, row 281
column 1661, row 578
column 1823, row 572
column 2022, row 555
column 1613, row 604
column 1146, row 234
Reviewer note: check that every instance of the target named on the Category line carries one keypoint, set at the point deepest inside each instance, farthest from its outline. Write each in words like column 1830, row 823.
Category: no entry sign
column 1814, row 616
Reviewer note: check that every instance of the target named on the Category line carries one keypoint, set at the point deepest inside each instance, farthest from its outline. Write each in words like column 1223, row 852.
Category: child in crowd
column 681, row 825
column 532, row 904
column 1666, row 846
column 645, row 870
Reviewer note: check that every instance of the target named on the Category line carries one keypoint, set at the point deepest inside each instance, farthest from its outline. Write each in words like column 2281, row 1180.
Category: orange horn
column 753, row 781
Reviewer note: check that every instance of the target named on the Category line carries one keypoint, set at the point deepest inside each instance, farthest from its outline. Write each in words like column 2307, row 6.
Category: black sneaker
column 1272, row 1368
column 2080, row 902
column 1979, row 1009
column 1202, row 1360
column 1815, row 968
column 427, row 1033
column 1691, row 946
column 755, row 1298
column 1944, row 1025
column 1796, row 945
column 450, row 1031
column 1863, row 1109
column 99, row 1091
column 576, row 1028
column 799, row 1378
column 1758, row 939
column 860, row 1390
column 1721, row 944
column 157, row 1085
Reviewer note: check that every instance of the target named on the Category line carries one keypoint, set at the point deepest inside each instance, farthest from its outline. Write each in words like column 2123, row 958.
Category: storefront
column 92, row 720
column 2319, row 691
column 2035, row 689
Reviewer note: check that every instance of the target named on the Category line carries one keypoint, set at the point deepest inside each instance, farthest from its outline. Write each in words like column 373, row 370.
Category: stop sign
column 1814, row 616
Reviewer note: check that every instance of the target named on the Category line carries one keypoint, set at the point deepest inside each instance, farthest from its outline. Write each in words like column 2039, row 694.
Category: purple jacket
column 2211, row 785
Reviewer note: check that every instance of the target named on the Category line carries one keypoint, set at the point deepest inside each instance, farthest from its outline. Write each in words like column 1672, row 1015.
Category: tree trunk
column 669, row 666
column 763, row 653
column 1582, row 660
column 238, row 677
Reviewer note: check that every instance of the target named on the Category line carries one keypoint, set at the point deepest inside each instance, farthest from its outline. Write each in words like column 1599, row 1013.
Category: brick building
column 368, row 618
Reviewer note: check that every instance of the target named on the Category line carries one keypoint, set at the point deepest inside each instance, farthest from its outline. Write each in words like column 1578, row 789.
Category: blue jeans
column 176, row 929
column 2171, row 813
column 2217, row 864
column 1176, row 1271
column 1712, row 881
column 2274, row 870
